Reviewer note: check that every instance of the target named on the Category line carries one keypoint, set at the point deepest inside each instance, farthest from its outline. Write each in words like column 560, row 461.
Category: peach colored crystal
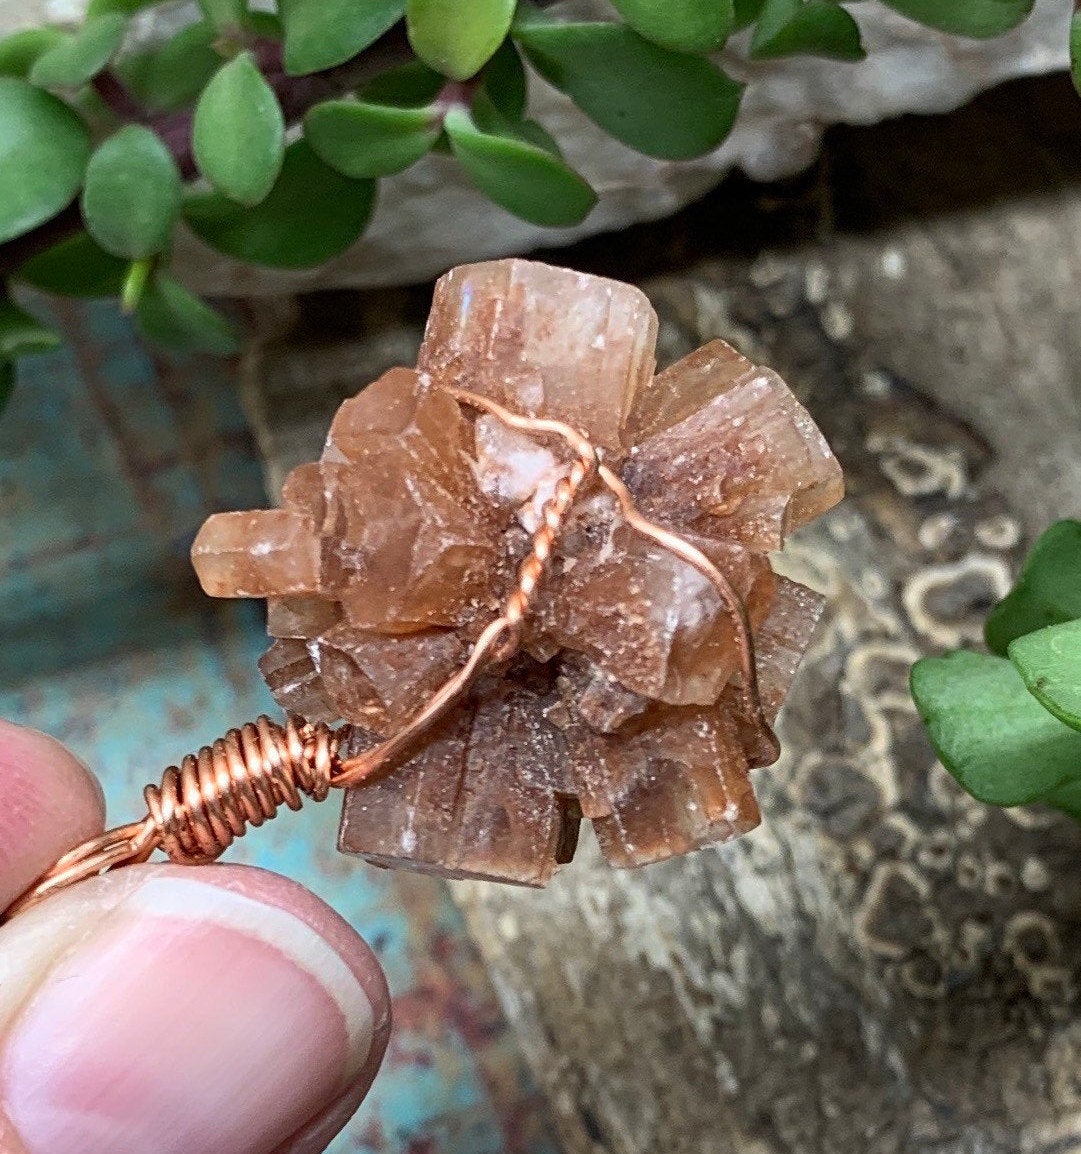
column 393, row 551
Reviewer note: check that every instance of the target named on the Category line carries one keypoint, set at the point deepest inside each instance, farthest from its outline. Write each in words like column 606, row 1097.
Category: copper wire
column 209, row 800
column 245, row 777
column 241, row 780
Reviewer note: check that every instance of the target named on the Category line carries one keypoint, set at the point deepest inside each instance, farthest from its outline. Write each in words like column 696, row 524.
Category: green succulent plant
column 1007, row 723
column 266, row 132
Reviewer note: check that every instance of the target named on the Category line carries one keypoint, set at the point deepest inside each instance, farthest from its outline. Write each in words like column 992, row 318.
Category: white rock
column 430, row 217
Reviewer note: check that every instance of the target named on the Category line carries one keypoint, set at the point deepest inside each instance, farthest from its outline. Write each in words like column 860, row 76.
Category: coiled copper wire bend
column 245, row 777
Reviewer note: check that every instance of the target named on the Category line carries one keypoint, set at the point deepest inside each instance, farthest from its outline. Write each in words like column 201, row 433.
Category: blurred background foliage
column 265, row 129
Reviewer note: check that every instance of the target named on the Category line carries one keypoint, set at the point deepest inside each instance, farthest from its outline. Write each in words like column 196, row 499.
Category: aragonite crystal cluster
column 392, row 553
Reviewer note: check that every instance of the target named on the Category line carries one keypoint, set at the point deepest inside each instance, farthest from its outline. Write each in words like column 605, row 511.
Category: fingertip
column 49, row 803
column 215, row 1008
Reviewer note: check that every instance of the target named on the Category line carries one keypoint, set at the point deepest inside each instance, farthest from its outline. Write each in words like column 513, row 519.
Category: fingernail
column 195, row 1018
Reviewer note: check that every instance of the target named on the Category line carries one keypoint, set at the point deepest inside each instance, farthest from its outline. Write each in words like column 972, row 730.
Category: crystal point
column 546, row 342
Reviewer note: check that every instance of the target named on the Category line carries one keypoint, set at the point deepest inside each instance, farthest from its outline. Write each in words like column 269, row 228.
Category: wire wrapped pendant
column 526, row 584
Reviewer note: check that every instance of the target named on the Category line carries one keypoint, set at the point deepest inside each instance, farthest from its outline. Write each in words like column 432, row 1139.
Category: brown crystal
column 676, row 782
column 380, row 681
column 289, row 671
column 260, row 554
column 748, row 465
column 395, row 549
column 546, row 342
column 300, row 615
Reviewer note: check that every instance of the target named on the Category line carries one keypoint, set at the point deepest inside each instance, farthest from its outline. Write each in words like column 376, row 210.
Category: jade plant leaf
column 411, row 85
column 746, row 12
column 266, row 24
column 504, row 81
column 368, row 140
column 990, row 733
column 1047, row 592
column 75, row 267
column 311, row 214
column 323, row 33
column 176, row 319
column 128, row 7
column 135, row 283
column 225, row 15
column 174, row 74
column 80, row 57
column 457, row 37
column 21, row 334
column 238, row 134
column 131, row 195
column 811, row 27
column 682, row 25
column 43, row 151
column 20, row 50
column 678, row 105
column 1049, row 662
column 519, row 174
column 979, row 19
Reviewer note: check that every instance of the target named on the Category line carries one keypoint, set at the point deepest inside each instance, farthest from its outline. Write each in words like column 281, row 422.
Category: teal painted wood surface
column 109, row 461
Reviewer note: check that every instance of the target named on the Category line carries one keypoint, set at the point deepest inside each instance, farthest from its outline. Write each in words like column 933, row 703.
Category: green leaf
column 746, row 12
column 21, row 334
column 490, row 120
column 665, row 104
column 323, row 33
column 128, row 7
column 812, row 27
column 1075, row 49
column 311, row 214
column 457, row 37
column 135, row 282
column 1048, row 591
column 367, row 140
column 82, row 56
column 176, row 319
column 682, row 25
column 238, row 135
column 265, row 24
column 7, row 384
column 1067, row 799
column 225, row 15
column 43, row 151
column 529, row 131
column 1049, row 662
column 131, row 195
column 75, row 267
column 173, row 76
column 409, row 85
column 979, row 19
column 990, row 732
column 519, row 175
column 505, row 82
column 19, row 50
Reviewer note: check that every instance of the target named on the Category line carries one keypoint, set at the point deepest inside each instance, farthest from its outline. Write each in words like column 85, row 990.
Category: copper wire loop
column 245, row 777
